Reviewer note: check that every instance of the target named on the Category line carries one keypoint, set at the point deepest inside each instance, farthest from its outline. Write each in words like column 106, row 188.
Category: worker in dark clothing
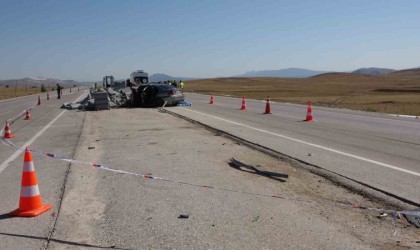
column 58, row 91
column 128, row 82
column 175, row 84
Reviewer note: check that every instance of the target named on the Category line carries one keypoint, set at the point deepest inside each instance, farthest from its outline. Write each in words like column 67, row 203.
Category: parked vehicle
column 139, row 77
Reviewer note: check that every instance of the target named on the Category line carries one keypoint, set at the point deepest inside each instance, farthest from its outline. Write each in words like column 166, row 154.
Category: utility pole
column 15, row 88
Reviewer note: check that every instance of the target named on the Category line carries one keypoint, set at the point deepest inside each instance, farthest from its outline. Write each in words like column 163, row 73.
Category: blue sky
column 85, row 40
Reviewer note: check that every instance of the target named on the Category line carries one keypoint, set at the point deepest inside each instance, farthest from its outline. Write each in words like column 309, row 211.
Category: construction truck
column 107, row 81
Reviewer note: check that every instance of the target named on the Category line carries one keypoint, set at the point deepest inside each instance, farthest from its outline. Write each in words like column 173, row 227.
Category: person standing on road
column 58, row 91
column 181, row 85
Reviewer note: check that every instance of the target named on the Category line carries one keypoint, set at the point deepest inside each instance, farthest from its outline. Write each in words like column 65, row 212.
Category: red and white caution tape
column 12, row 120
column 395, row 214
column 21, row 114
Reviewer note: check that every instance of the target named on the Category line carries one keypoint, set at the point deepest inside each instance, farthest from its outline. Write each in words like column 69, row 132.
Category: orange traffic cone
column 243, row 107
column 30, row 203
column 39, row 100
column 211, row 99
column 309, row 117
column 48, row 95
column 268, row 106
column 28, row 115
column 7, row 133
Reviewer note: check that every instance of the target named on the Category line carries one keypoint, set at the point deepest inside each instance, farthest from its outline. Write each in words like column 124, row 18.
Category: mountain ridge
column 287, row 73
column 373, row 71
column 281, row 73
column 38, row 81
column 160, row 77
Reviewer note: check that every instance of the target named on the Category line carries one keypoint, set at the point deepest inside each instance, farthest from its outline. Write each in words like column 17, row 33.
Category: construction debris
column 244, row 167
column 414, row 218
column 382, row 215
column 85, row 104
column 183, row 216
column 184, row 103
column 134, row 92
column 101, row 100
column 256, row 218
column 98, row 100
column 119, row 96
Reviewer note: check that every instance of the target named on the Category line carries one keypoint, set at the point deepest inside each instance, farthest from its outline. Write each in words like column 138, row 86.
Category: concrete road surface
column 94, row 208
column 379, row 150
column 60, row 136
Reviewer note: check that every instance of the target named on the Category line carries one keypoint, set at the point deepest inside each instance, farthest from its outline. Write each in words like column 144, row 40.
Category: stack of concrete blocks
column 101, row 100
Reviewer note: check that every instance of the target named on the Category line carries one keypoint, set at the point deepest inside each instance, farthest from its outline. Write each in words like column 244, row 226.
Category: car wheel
column 160, row 102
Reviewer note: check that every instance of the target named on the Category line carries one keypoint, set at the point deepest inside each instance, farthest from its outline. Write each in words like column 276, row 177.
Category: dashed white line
column 290, row 105
column 309, row 144
column 4, row 165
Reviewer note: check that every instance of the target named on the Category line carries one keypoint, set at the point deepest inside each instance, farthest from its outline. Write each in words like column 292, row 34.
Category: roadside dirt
column 307, row 187
column 81, row 208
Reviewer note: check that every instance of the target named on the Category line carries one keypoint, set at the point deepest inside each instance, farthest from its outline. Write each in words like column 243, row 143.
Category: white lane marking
column 290, row 105
column 28, row 143
column 341, row 113
column 6, row 113
column 309, row 144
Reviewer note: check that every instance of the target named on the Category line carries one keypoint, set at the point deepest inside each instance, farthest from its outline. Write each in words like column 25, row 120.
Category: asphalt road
column 376, row 149
column 93, row 208
column 11, row 107
column 44, row 132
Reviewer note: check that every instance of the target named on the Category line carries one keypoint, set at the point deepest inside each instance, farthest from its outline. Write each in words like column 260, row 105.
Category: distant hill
column 38, row 81
column 373, row 71
column 163, row 77
column 288, row 73
column 406, row 73
column 414, row 73
column 341, row 75
column 332, row 75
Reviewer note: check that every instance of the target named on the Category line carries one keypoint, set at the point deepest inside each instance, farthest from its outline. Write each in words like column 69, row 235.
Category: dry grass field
column 392, row 93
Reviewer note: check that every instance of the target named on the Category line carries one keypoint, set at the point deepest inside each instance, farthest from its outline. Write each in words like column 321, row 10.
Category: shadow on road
column 62, row 241
column 5, row 216
column 253, row 170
